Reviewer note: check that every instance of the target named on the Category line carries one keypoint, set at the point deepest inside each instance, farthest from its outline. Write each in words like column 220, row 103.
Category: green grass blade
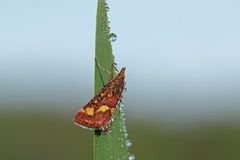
column 110, row 145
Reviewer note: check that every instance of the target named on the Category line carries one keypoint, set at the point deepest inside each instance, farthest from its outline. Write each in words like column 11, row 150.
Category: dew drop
column 107, row 8
column 128, row 143
column 131, row 157
column 121, row 105
column 113, row 37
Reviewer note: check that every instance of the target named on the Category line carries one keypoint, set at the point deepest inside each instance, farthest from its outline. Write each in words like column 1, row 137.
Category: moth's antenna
column 99, row 72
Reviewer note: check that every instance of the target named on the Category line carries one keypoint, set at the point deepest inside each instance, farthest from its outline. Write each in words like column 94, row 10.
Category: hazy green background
column 40, row 136
column 182, row 59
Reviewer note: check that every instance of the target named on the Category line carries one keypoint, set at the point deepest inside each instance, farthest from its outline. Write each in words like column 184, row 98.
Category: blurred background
column 182, row 59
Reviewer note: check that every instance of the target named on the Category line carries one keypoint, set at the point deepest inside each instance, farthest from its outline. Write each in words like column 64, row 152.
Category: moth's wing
column 97, row 113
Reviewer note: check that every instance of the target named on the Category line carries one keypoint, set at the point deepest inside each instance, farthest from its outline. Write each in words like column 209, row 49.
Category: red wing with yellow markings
column 97, row 113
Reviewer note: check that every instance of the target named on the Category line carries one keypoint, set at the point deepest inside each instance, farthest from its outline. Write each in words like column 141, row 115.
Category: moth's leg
column 98, row 68
column 105, row 70
column 115, row 67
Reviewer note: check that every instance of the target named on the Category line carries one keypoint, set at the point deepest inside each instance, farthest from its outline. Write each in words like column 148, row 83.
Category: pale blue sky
column 181, row 56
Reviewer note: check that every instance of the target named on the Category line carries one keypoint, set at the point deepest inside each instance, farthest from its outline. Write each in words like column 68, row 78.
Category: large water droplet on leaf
column 113, row 37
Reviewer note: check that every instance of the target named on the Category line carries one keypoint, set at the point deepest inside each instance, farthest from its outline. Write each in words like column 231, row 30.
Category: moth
column 98, row 112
